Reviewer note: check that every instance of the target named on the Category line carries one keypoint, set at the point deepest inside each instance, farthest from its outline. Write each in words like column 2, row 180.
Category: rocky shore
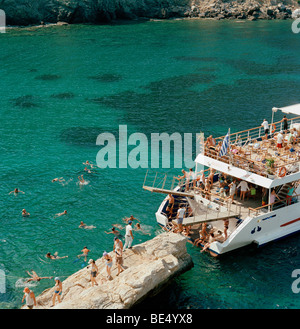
column 28, row 12
column 148, row 268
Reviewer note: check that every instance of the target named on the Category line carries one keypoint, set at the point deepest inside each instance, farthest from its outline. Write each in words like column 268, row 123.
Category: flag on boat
column 225, row 145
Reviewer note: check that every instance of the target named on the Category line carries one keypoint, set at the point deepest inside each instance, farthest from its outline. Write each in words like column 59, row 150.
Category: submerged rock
column 149, row 266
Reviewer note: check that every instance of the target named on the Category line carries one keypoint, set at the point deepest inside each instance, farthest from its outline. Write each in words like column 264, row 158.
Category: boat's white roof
column 292, row 109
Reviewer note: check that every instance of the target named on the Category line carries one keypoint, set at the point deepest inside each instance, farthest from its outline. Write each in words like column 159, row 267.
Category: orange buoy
column 282, row 172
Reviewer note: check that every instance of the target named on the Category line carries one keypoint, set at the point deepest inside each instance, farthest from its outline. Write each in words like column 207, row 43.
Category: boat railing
column 243, row 136
column 225, row 205
column 167, row 180
column 270, row 206
column 249, row 150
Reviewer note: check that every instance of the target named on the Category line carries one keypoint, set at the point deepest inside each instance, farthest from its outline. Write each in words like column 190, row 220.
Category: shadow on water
column 48, row 77
column 26, row 101
column 161, row 109
column 84, row 136
column 67, row 95
column 106, row 78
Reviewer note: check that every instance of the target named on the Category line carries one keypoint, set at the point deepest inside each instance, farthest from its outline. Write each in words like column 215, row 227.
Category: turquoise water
column 63, row 86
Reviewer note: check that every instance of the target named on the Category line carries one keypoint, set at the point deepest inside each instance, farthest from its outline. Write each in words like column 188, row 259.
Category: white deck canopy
column 292, row 109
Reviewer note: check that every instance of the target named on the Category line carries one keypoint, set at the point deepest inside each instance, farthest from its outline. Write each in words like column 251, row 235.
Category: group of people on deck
column 228, row 188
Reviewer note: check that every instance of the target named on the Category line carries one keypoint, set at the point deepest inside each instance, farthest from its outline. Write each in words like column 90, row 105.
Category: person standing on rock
column 29, row 298
column 118, row 249
column 57, row 291
column 94, row 272
column 108, row 263
column 128, row 236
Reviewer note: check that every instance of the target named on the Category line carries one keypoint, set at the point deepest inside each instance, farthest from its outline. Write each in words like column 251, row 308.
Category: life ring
column 282, row 172
column 274, row 128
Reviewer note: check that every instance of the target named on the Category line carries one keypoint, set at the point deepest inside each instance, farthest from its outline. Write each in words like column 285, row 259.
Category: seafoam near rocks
column 149, row 266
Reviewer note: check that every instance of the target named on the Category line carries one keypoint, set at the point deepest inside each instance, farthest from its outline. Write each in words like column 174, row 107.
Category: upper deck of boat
column 253, row 152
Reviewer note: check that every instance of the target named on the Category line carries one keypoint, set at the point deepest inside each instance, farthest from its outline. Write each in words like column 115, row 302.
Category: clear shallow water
column 62, row 86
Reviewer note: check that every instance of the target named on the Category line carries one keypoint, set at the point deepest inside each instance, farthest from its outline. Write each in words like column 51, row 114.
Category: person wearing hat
column 29, row 298
column 94, row 272
column 57, row 291
column 128, row 236
column 118, row 249
column 279, row 139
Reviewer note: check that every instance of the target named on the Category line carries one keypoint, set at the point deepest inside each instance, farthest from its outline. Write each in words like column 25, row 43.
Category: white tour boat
column 250, row 156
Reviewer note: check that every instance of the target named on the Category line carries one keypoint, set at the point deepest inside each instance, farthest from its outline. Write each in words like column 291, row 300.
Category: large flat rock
column 149, row 266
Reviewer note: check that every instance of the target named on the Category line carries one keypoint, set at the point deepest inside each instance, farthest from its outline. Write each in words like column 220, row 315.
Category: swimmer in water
column 16, row 191
column 25, row 213
column 61, row 213
column 87, row 170
column 87, row 163
column 83, row 225
column 61, row 180
column 35, row 277
column 84, row 254
column 81, row 180
column 114, row 232
column 138, row 228
column 127, row 219
column 54, row 256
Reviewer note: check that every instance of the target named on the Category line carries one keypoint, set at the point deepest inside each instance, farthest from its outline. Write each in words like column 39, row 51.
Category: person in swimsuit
column 61, row 180
column 94, row 272
column 83, row 225
column 108, row 263
column 81, row 180
column 16, row 191
column 118, row 249
column 35, row 277
column 114, row 232
column 57, row 291
column 171, row 202
column 127, row 219
column 226, row 225
column 54, row 256
column 211, row 239
column 138, row 228
column 87, row 163
column 61, row 213
column 25, row 213
column 84, row 254
column 185, row 176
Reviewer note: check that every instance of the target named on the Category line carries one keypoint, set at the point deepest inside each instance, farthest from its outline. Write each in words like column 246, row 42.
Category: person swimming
column 83, row 225
column 54, row 256
column 35, row 277
column 82, row 181
column 25, row 213
column 138, row 228
column 61, row 213
column 61, row 180
column 16, row 191
column 87, row 163
column 84, row 254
